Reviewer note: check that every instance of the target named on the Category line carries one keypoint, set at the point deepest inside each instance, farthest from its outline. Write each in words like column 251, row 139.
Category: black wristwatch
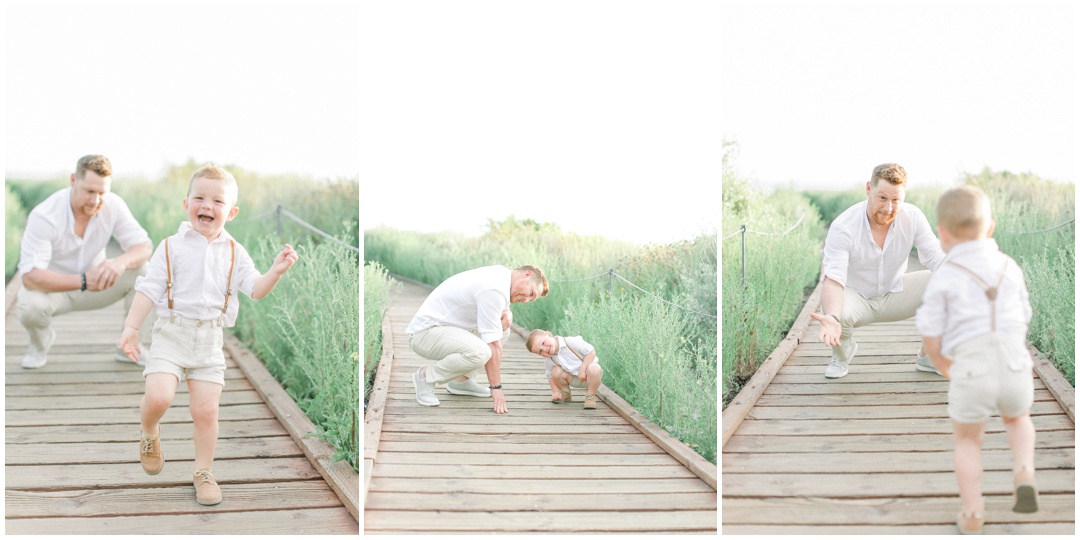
column 496, row 387
column 84, row 282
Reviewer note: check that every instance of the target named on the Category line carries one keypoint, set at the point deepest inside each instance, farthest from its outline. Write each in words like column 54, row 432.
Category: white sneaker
column 923, row 363
column 838, row 368
column 122, row 357
column 34, row 358
column 425, row 391
column 467, row 388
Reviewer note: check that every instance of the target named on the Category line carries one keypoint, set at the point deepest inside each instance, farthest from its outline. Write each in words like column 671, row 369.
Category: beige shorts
column 188, row 349
column 990, row 374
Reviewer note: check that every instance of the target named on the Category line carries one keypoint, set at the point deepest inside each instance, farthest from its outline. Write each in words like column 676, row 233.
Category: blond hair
column 93, row 162
column 537, row 276
column 891, row 173
column 213, row 172
column 533, row 336
column 964, row 212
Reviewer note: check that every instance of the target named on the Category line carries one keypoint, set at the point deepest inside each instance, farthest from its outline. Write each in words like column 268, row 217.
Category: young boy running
column 192, row 282
column 974, row 320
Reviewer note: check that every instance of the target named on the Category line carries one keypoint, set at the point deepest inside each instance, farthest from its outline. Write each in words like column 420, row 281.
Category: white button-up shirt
column 955, row 306
column 49, row 241
column 200, row 272
column 854, row 260
column 566, row 357
column 472, row 300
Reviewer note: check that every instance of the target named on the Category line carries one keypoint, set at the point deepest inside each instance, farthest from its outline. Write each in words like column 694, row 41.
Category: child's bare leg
column 1021, row 432
column 968, row 462
column 593, row 374
column 158, row 396
column 205, row 396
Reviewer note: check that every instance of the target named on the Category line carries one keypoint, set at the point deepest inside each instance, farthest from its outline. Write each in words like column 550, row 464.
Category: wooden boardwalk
column 871, row 453
column 541, row 468
column 71, row 458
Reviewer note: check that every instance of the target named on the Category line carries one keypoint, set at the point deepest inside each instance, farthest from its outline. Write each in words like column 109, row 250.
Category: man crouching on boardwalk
column 462, row 325
column 866, row 258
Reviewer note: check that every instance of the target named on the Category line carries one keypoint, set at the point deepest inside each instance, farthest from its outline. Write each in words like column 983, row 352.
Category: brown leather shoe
column 150, row 454
column 1026, row 494
column 207, row 491
column 590, row 401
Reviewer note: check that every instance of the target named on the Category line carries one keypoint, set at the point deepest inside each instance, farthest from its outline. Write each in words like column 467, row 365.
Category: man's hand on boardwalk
column 500, row 401
column 830, row 329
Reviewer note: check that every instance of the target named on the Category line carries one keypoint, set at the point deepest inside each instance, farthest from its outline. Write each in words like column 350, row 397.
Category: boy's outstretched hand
column 285, row 260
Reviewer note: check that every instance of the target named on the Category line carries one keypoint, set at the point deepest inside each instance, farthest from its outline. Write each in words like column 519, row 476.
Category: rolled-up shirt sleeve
column 836, row 256
column 36, row 249
column 153, row 283
column 489, row 308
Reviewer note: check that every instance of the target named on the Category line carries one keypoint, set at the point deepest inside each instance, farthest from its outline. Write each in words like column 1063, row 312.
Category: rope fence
column 280, row 212
column 1037, row 232
column 611, row 274
column 743, row 230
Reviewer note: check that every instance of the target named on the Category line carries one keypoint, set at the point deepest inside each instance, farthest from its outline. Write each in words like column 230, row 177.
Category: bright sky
column 273, row 89
column 818, row 94
column 600, row 116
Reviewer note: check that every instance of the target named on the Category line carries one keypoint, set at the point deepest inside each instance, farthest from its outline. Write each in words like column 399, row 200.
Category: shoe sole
column 416, row 387
column 844, row 374
column 1026, row 500
column 920, row 367
column 207, row 503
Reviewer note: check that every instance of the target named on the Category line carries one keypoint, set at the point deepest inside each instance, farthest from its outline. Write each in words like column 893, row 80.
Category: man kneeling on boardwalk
column 865, row 266
column 462, row 325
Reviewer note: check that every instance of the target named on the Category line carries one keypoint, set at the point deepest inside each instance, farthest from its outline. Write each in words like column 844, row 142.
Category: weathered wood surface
column 460, row 468
column 871, row 453
column 71, row 449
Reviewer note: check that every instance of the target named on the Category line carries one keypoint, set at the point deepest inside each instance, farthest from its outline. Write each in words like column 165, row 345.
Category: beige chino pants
column 860, row 311
column 458, row 351
column 36, row 309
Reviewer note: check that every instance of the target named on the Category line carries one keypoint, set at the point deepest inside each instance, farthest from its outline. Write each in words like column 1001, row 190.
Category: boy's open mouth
column 205, row 218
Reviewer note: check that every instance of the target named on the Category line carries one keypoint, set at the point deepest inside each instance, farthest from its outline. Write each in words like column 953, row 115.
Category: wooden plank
column 891, row 511
column 125, row 452
column 400, row 522
column 880, row 484
column 1063, row 392
column 741, row 404
column 166, row 500
column 298, row 521
column 128, row 433
column 868, row 462
column 528, row 502
column 376, row 406
column 339, row 475
column 875, row 442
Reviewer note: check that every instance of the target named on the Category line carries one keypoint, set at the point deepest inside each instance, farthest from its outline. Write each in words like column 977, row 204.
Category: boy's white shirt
column 566, row 358
column 854, row 260
column 955, row 306
column 49, row 240
column 473, row 300
column 200, row 276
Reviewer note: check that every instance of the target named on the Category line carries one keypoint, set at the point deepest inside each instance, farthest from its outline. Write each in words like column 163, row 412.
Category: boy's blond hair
column 964, row 212
column 533, row 336
column 213, row 172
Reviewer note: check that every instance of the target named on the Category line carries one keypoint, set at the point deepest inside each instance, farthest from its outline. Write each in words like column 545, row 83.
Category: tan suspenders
column 991, row 292
column 228, row 286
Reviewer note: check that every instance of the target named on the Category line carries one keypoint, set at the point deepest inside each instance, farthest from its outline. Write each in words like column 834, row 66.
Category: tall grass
column 14, row 221
column 586, row 299
column 379, row 293
column 780, row 271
